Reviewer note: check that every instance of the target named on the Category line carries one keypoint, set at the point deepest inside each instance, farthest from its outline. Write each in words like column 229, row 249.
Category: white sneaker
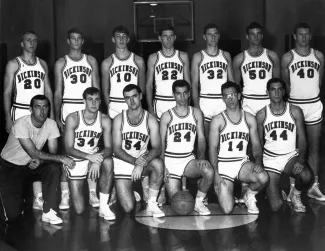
column 205, row 201
column 315, row 193
column 153, row 209
column 297, row 204
column 65, row 199
column 137, row 196
column 93, row 199
column 250, row 202
column 38, row 203
column 201, row 208
column 107, row 213
column 162, row 197
column 51, row 217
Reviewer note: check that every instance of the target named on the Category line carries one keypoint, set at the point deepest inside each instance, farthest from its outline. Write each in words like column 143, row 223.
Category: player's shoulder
column 197, row 56
column 296, row 111
column 319, row 54
column 72, row 118
column 183, row 54
column 272, row 54
column 261, row 113
column 287, row 57
column 239, row 57
column 13, row 64
column 91, row 59
column 250, row 118
column 165, row 117
column 118, row 119
column 108, row 61
column 153, row 56
column 105, row 118
column 43, row 63
column 60, row 62
column 197, row 112
column 217, row 120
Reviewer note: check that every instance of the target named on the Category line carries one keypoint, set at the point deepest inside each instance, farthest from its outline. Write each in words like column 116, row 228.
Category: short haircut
column 181, row 83
column 121, row 29
column 131, row 87
column 301, row 25
column 167, row 27
column 275, row 80
column 210, row 26
column 75, row 30
column 27, row 32
column 90, row 91
column 39, row 97
column 230, row 84
column 253, row 25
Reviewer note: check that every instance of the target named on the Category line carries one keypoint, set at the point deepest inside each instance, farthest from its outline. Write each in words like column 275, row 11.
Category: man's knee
column 157, row 165
column 107, row 165
column 227, row 207
column 127, row 206
column 53, row 170
column 263, row 178
column 306, row 176
column 208, row 172
column 276, row 204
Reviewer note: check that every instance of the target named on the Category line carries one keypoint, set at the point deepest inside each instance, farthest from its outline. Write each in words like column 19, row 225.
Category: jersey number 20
column 28, row 83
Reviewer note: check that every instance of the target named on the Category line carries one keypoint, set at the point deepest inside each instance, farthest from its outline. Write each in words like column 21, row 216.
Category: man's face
column 29, row 43
column 212, row 37
column 75, row 41
column 231, row 97
column 92, row 102
column 255, row 36
column 181, row 95
column 302, row 37
column 276, row 92
column 40, row 110
column 167, row 39
column 120, row 40
column 133, row 99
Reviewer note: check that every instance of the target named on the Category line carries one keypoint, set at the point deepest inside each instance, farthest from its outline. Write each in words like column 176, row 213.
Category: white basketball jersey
column 212, row 74
column 135, row 138
column 280, row 131
column 87, row 135
column 304, row 75
column 256, row 71
column 168, row 69
column 234, row 138
column 28, row 82
column 180, row 135
column 121, row 73
column 77, row 76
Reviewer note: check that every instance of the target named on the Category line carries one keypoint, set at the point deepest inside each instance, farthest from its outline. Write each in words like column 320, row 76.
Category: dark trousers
column 13, row 179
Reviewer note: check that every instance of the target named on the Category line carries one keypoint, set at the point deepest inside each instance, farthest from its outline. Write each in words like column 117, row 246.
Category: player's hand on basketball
column 218, row 182
column 94, row 171
column 202, row 164
column 298, row 167
column 141, row 161
column 167, row 176
column 136, row 173
column 257, row 168
column 34, row 163
column 9, row 124
column 68, row 162
column 95, row 158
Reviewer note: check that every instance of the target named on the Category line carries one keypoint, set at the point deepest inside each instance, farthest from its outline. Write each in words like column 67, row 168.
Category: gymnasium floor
column 240, row 231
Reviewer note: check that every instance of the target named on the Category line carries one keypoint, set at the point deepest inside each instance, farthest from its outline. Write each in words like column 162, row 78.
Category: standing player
column 120, row 69
column 164, row 67
column 211, row 68
column 255, row 66
column 302, row 69
column 279, row 125
column 230, row 132
column 132, row 130
column 178, row 129
column 26, row 76
column 83, row 129
column 73, row 74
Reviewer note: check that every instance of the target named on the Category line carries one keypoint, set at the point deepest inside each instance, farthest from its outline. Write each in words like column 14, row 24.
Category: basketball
column 182, row 203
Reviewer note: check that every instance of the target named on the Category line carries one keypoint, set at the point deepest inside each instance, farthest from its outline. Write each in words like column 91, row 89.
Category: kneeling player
column 132, row 130
column 82, row 132
column 279, row 124
column 178, row 128
column 230, row 131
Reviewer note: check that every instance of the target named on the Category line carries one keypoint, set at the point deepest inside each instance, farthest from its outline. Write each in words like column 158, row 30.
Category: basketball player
column 25, row 77
column 211, row 68
column 255, row 66
column 230, row 132
column 73, row 74
column 164, row 67
column 83, row 129
column 178, row 129
column 279, row 125
column 302, row 69
column 22, row 159
column 132, row 130
column 120, row 69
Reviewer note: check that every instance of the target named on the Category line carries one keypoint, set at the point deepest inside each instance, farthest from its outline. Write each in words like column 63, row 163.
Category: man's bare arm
column 186, row 68
column 164, row 120
column 320, row 57
column 254, row 138
column 11, row 68
column 214, row 135
column 47, row 88
column 58, row 93
column 155, row 139
column 301, row 131
column 285, row 75
column 201, row 146
column 142, row 73
column 276, row 64
column 230, row 70
column 107, row 136
column 238, row 60
column 94, row 73
column 260, row 117
column 195, row 78
column 106, row 82
column 149, row 84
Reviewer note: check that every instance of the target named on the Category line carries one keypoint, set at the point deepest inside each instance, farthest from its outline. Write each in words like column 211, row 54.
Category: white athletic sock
column 64, row 187
column 37, row 189
column 92, row 184
column 103, row 200
column 250, row 192
column 153, row 194
column 316, row 179
column 200, row 195
column 295, row 191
